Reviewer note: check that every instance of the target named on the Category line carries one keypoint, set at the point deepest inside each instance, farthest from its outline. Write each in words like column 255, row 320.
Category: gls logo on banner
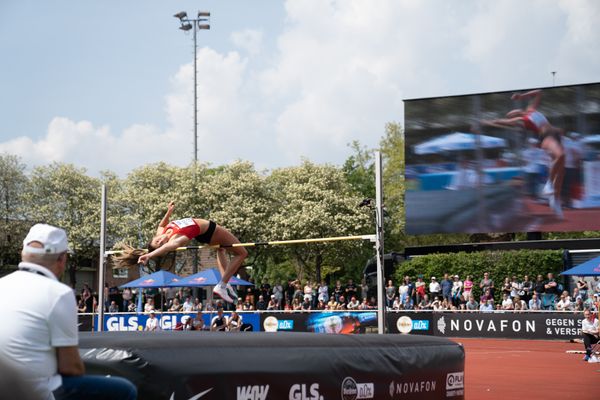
column 305, row 392
column 357, row 391
column 255, row 392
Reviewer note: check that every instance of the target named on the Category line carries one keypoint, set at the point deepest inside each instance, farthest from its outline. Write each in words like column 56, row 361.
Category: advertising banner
column 415, row 323
column 508, row 325
column 319, row 322
column 167, row 321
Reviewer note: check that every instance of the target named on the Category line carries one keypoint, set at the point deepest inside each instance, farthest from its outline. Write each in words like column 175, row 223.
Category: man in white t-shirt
column 38, row 334
column 589, row 328
column 152, row 323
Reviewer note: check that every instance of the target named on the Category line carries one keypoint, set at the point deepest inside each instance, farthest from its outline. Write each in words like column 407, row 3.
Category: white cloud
column 339, row 72
column 249, row 40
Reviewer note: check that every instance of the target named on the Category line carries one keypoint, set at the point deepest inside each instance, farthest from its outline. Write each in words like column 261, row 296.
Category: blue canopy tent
column 588, row 268
column 458, row 141
column 158, row 279
column 208, row 277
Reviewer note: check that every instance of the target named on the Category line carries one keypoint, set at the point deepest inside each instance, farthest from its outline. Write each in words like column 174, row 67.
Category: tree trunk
column 318, row 262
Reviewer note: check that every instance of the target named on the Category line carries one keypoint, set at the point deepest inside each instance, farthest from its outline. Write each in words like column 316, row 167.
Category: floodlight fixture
column 180, row 15
column 205, row 26
column 203, row 14
column 186, row 27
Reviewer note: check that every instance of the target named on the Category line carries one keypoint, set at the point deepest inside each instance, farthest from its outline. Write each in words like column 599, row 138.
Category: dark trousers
column 588, row 341
column 95, row 387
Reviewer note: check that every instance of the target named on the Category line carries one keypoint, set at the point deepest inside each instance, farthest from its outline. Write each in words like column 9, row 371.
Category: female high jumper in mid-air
column 550, row 138
column 173, row 234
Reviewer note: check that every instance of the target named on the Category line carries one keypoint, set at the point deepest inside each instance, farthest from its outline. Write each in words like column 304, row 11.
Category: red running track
column 498, row 369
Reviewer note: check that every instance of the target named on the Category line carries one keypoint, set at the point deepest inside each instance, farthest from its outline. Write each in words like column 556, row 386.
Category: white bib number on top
column 182, row 223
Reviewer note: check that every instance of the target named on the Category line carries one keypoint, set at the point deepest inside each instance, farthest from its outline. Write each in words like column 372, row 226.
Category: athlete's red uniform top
column 186, row 227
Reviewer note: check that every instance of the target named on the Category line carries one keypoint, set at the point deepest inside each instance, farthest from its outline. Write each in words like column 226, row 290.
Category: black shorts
column 206, row 237
column 554, row 134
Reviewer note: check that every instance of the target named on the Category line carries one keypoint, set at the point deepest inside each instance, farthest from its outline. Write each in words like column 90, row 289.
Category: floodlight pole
column 186, row 25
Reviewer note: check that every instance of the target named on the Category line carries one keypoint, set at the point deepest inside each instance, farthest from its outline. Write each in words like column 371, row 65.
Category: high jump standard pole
column 101, row 262
column 379, row 243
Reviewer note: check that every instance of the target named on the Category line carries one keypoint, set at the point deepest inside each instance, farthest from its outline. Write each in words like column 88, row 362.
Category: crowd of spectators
column 512, row 294
column 448, row 293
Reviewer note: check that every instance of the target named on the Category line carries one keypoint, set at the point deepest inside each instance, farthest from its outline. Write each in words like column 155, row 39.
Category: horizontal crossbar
column 372, row 238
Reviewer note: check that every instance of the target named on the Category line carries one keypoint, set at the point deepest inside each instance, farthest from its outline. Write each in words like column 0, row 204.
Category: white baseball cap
column 53, row 240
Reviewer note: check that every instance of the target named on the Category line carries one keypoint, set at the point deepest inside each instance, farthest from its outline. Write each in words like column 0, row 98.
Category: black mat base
column 296, row 366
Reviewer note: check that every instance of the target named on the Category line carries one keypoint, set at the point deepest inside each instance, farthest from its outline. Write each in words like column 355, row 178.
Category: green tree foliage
column 13, row 184
column 314, row 201
column 359, row 169
column 63, row 195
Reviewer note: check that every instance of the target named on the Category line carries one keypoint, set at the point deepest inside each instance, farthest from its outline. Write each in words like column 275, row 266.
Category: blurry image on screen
column 520, row 161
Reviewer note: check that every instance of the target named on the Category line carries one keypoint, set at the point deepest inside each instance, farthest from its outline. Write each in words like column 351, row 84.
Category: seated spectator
column 578, row 305
column 353, row 303
column 197, row 306
column 149, row 306
column 589, row 303
column 342, row 303
column 219, row 323
column 113, row 308
column 261, row 304
column 522, row 304
column 487, row 295
column 589, row 329
column 306, row 303
column 332, row 304
column 364, row 305
column 445, row 304
column 234, row 322
column 247, row 305
column 535, row 304
column 177, row 306
column 424, row 303
column 186, row 324
column 152, row 323
column 408, row 303
column 273, row 305
column 198, row 322
column 507, row 303
column 396, row 304
column 296, row 305
column 188, row 305
column 321, row 305
column 487, row 306
column 436, row 304
column 472, row 304
column 132, row 307
column 564, row 304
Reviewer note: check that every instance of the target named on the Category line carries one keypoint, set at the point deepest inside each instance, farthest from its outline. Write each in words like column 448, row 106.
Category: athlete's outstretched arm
column 164, row 249
column 165, row 220
column 535, row 102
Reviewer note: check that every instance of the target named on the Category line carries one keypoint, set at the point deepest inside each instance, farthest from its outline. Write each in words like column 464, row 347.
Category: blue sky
column 108, row 84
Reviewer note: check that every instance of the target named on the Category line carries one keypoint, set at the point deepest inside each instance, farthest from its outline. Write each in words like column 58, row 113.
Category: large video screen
column 526, row 160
